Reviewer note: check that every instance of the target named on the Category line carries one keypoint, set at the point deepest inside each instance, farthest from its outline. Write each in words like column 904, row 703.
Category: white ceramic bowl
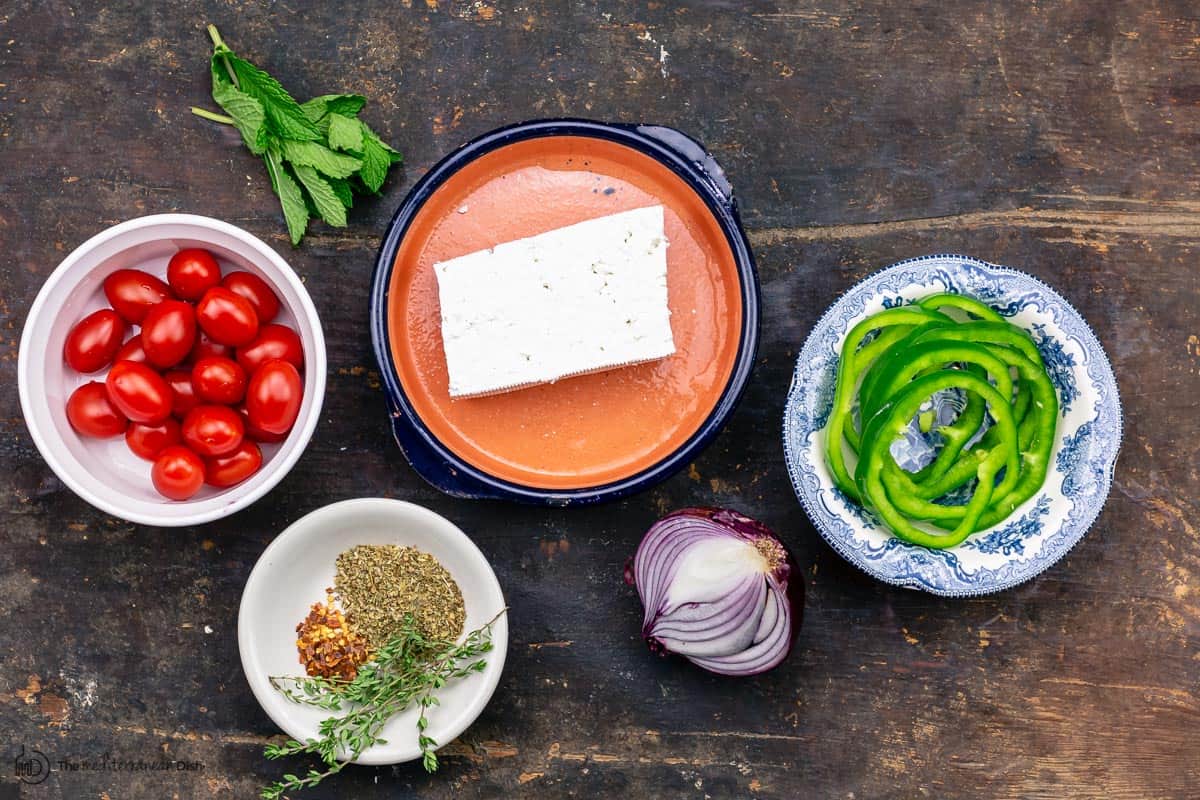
column 103, row 471
column 293, row 573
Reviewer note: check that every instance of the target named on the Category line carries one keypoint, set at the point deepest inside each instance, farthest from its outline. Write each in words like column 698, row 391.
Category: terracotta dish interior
column 589, row 430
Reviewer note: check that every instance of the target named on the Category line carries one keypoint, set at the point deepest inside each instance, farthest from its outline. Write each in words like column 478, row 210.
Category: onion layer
column 716, row 588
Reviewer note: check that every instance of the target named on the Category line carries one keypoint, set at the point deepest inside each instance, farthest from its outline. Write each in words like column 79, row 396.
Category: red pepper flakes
column 328, row 646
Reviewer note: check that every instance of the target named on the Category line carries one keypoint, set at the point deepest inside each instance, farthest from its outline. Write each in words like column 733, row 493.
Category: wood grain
column 1056, row 138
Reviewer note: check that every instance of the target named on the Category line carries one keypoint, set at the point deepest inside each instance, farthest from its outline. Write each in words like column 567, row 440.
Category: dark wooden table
column 1060, row 138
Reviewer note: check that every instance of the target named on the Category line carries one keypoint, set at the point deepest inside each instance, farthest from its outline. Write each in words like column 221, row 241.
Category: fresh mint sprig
column 319, row 154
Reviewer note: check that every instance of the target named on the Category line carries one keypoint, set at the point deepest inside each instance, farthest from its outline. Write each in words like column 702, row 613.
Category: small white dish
column 103, row 471
column 297, row 568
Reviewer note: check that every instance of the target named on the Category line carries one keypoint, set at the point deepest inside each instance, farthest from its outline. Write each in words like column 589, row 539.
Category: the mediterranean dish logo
column 33, row 766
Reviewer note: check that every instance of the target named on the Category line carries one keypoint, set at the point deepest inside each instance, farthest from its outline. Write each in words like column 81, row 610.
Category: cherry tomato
column 192, row 272
column 148, row 441
column 139, row 392
column 256, row 433
column 207, row 348
column 219, row 380
column 168, row 333
column 132, row 350
column 273, row 341
column 257, row 291
column 234, row 468
column 132, row 293
column 273, row 396
column 94, row 340
column 226, row 317
column 178, row 473
column 183, row 394
column 213, row 430
column 91, row 413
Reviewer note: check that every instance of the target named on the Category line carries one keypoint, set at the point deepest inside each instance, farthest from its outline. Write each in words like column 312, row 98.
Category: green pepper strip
column 965, row 467
column 1001, row 333
column 1035, row 456
column 1035, row 439
column 970, row 305
column 1021, row 401
column 847, row 380
column 895, row 353
column 887, row 425
column 866, row 356
column 927, row 357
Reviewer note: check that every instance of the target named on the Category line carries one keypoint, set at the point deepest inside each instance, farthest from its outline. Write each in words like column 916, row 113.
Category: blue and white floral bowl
column 1038, row 533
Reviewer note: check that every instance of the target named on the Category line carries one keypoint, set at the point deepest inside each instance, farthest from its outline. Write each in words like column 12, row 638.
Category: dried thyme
column 380, row 585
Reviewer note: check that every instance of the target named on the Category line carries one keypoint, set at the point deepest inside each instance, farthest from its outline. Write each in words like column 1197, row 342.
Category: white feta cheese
column 584, row 298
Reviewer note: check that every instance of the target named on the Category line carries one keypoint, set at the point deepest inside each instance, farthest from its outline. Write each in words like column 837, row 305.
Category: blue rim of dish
column 685, row 157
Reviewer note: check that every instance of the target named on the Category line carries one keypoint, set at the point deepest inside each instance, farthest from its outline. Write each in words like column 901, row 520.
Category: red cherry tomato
column 178, row 473
column 183, row 394
column 273, row 396
column 148, row 441
column 273, row 341
column 132, row 293
column 91, row 413
column 234, row 468
column 226, row 317
column 213, row 430
column 257, row 291
column 256, row 433
column 192, row 272
column 168, row 333
column 207, row 348
column 94, row 340
column 132, row 350
column 139, row 392
column 219, row 380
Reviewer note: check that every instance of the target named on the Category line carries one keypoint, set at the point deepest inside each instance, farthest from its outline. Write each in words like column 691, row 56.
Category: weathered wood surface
column 1060, row 138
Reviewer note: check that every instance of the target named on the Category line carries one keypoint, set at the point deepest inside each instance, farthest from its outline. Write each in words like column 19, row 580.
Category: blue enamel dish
column 1039, row 532
column 432, row 222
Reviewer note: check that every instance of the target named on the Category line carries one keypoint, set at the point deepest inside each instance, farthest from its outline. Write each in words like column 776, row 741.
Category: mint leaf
column 345, row 104
column 283, row 113
column 295, row 212
column 318, row 156
column 324, row 198
column 247, row 113
column 341, row 187
column 345, row 133
column 376, row 160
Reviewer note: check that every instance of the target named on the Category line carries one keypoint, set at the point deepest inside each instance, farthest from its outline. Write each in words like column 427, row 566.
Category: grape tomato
column 94, row 340
column 91, row 413
column 138, row 392
column 132, row 293
column 226, row 317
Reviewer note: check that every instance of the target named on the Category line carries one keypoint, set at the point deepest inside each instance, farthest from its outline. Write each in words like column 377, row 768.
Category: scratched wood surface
column 1060, row 138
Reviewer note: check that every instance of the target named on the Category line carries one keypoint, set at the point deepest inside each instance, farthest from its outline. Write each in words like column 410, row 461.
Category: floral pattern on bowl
column 1043, row 529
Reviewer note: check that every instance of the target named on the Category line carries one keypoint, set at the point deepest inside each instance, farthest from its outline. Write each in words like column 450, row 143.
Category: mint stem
column 219, row 44
column 221, row 118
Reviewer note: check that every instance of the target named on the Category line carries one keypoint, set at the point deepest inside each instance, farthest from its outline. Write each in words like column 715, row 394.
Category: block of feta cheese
column 584, row 298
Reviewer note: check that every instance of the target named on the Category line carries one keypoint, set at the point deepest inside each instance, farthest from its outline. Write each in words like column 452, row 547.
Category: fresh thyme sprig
column 408, row 669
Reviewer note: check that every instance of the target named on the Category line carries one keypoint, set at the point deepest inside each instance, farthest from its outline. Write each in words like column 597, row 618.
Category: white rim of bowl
column 285, row 460
column 257, row 679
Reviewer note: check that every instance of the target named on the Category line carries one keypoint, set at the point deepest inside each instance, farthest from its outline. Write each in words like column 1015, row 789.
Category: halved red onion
column 716, row 589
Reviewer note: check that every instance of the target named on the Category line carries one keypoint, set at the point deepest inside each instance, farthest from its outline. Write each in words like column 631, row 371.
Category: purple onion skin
column 751, row 530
